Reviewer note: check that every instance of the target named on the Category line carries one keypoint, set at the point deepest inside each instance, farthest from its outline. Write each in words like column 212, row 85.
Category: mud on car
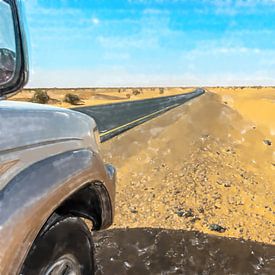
column 52, row 176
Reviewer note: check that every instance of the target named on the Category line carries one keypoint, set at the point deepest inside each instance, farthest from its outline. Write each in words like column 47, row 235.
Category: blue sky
column 99, row 43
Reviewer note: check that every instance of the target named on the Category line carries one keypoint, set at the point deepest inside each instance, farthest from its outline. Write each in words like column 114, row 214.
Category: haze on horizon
column 101, row 43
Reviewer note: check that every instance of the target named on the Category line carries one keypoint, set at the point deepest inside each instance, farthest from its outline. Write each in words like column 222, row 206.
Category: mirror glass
column 7, row 44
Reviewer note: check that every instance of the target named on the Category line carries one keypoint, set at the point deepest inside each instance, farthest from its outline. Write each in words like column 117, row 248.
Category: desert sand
column 207, row 162
column 210, row 161
column 94, row 96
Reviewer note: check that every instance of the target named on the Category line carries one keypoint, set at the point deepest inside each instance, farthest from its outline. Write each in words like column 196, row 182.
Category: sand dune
column 200, row 164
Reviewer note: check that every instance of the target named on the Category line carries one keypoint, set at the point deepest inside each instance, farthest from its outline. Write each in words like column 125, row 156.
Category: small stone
column 201, row 210
column 194, row 219
column 134, row 211
column 180, row 213
column 267, row 142
column 217, row 228
column 189, row 213
column 186, row 214
column 227, row 184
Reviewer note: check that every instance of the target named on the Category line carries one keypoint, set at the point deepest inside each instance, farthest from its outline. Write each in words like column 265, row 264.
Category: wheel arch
column 31, row 197
column 89, row 202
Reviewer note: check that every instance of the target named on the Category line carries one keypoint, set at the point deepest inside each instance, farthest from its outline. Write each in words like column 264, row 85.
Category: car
column 52, row 177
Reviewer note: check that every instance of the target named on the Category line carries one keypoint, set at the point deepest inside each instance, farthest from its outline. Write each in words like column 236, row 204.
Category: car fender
column 32, row 196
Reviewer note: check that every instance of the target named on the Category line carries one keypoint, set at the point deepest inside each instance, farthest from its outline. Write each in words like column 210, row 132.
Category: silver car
column 52, row 175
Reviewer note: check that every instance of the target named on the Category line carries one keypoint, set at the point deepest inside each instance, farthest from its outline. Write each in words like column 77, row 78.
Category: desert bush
column 136, row 92
column 40, row 96
column 161, row 91
column 72, row 99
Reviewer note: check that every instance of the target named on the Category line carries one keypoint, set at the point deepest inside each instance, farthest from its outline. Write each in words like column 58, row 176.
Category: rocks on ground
column 217, row 228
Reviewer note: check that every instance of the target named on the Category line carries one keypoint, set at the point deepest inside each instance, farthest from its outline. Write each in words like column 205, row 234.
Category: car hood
column 25, row 125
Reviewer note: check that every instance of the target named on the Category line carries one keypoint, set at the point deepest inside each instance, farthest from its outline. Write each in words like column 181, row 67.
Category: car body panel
column 33, row 195
column 46, row 154
column 31, row 132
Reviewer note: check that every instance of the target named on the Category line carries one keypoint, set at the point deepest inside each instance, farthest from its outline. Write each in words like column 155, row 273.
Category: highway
column 113, row 119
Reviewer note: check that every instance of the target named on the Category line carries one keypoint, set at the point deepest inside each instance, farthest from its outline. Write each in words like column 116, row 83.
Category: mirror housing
column 16, row 80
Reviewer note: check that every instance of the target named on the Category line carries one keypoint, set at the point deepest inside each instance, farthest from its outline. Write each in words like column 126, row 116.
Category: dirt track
column 198, row 165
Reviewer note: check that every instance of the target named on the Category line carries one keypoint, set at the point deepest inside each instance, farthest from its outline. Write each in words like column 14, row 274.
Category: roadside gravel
column 198, row 167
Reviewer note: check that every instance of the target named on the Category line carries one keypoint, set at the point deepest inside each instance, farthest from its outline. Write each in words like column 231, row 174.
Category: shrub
column 40, row 96
column 136, row 92
column 72, row 99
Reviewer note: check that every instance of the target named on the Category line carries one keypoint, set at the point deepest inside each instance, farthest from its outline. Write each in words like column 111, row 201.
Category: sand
column 210, row 161
column 91, row 97
column 203, row 163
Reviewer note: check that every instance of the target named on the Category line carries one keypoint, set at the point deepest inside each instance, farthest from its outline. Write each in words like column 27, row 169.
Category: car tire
column 64, row 246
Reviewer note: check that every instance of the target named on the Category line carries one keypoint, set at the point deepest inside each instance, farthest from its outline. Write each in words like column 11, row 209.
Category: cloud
column 95, row 21
column 156, row 12
column 234, row 7
column 118, row 77
column 128, row 43
column 152, row 45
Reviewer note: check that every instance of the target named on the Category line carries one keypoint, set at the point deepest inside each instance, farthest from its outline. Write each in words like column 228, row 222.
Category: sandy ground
column 95, row 96
column 210, row 161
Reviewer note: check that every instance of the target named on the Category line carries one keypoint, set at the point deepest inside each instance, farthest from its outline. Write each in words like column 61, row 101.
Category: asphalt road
column 113, row 119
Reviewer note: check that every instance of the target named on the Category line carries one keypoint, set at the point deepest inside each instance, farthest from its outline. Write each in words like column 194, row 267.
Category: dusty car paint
column 31, row 132
column 46, row 155
column 34, row 194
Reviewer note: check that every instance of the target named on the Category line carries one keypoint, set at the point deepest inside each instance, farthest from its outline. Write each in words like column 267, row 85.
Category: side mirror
column 13, row 50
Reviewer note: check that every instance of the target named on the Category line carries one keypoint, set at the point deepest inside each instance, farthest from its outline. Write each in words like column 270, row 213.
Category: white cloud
column 122, row 78
column 95, row 21
column 155, row 12
column 224, row 60
column 234, row 7
column 132, row 42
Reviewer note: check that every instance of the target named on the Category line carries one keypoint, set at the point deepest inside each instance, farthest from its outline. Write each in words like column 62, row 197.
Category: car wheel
column 64, row 247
